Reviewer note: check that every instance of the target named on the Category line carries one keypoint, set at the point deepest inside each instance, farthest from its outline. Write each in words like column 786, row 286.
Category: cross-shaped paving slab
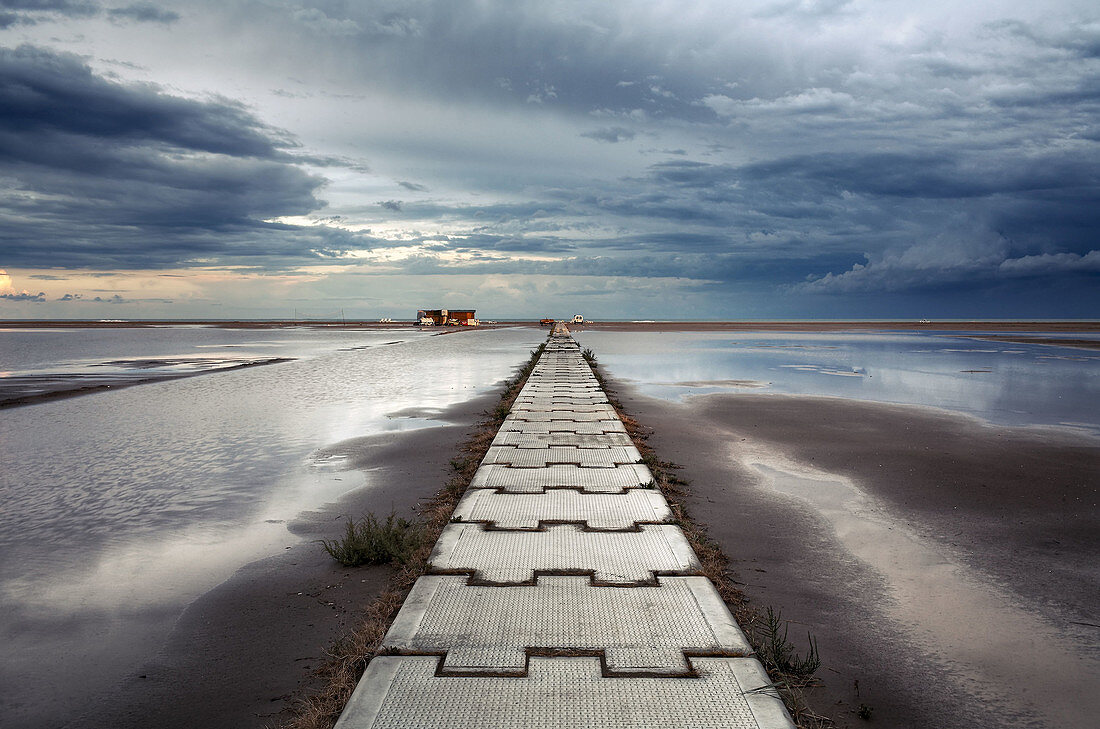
column 533, row 480
column 579, row 440
column 595, row 511
column 610, row 557
column 403, row 692
column 541, row 456
column 638, row 629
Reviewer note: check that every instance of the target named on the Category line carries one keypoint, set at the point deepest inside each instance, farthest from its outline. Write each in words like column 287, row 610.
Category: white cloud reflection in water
column 121, row 507
column 1009, row 384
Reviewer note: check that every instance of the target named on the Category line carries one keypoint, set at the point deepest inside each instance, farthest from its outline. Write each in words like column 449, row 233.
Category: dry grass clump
column 371, row 541
column 348, row 657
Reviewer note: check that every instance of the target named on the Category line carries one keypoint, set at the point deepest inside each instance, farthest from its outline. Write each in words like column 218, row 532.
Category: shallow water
column 123, row 506
column 1004, row 383
column 1025, row 668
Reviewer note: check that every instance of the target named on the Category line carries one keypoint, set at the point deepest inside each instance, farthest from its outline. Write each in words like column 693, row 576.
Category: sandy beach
column 947, row 568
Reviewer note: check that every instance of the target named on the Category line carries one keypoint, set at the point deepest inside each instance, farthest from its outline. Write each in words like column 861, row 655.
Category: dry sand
column 239, row 653
column 949, row 569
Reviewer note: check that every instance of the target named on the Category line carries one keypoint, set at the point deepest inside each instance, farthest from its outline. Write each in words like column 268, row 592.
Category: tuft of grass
column 371, row 541
column 778, row 654
column 590, row 357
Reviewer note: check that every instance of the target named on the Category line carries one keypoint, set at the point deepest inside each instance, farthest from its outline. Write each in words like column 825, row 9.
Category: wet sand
column 950, row 570
column 239, row 653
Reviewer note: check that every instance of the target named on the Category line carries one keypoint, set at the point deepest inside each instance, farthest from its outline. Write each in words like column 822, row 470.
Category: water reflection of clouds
column 150, row 495
column 1024, row 385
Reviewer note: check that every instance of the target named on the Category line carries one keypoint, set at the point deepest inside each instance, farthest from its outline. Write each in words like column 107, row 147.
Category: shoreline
column 994, row 325
column 972, row 500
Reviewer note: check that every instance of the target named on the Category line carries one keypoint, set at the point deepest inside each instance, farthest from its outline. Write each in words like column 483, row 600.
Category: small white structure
column 577, row 319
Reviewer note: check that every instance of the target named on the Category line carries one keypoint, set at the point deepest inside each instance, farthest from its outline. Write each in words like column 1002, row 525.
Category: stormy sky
column 639, row 160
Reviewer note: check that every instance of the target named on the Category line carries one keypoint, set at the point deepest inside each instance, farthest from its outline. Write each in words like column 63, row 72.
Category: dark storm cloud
column 29, row 12
column 611, row 134
column 523, row 52
column 144, row 13
column 525, row 244
column 47, row 93
column 25, row 296
column 804, row 147
column 100, row 172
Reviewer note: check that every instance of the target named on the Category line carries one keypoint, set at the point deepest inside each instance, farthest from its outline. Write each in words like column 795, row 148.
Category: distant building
column 446, row 317
column 578, row 319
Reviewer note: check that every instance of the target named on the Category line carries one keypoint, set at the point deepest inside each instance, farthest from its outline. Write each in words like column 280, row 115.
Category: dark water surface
column 120, row 507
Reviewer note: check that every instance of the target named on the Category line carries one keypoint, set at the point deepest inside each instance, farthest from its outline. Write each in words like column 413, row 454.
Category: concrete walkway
column 559, row 594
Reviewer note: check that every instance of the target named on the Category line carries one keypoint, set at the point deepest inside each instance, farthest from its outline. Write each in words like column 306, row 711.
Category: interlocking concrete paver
column 542, row 416
column 400, row 692
column 559, row 547
column 580, row 440
column 541, row 457
column 611, row 557
column 533, row 480
column 597, row 511
column 564, row 426
column 558, row 406
column 638, row 628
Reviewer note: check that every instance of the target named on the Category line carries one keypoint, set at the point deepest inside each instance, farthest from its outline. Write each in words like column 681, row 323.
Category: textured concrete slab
column 610, row 557
column 402, row 692
column 551, row 395
column 639, row 629
column 563, row 426
column 543, row 399
column 544, row 416
column 535, row 480
column 597, row 511
column 532, row 406
column 579, row 440
column 541, row 457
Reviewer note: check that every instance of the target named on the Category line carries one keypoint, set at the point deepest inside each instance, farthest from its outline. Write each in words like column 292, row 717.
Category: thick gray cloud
column 143, row 13
column 100, row 173
column 25, row 296
column 611, row 134
column 30, row 12
column 839, row 151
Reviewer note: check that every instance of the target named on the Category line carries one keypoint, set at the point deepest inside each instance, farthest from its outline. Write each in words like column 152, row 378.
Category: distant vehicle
column 546, row 322
column 577, row 319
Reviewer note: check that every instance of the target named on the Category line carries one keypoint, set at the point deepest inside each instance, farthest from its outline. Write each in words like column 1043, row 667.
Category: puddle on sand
column 1018, row 663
